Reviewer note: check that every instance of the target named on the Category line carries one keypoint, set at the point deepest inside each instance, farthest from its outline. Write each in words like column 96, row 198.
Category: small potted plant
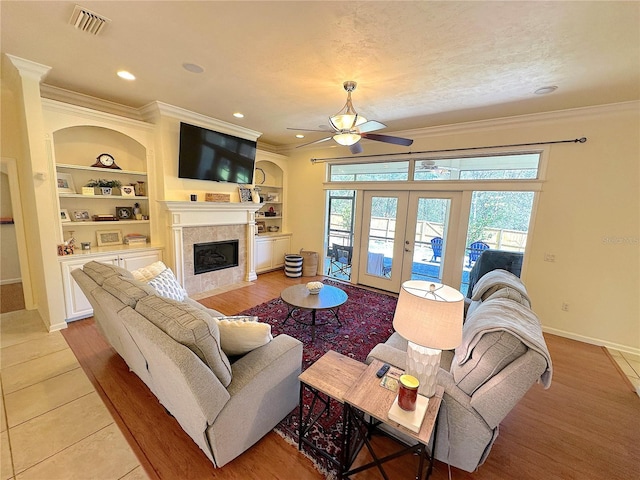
column 105, row 187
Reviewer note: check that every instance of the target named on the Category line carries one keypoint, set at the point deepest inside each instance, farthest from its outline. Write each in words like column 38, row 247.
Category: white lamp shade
column 433, row 320
column 347, row 138
column 346, row 121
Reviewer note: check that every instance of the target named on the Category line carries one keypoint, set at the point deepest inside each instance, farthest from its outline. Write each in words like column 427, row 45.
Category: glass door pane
column 431, row 231
column 497, row 221
column 382, row 244
column 340, row 233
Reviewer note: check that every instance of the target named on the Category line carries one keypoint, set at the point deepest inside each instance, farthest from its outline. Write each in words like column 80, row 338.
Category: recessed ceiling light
column 546, row 90
column 126, row 75
column 192, row 67
column 238, row 115
column 299, row 135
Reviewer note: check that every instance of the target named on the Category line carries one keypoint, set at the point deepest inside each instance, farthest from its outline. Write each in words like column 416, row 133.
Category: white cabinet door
column 270, row 252
column 264, row 253
column 76, row 303
column 133, row 261
column 281, row 247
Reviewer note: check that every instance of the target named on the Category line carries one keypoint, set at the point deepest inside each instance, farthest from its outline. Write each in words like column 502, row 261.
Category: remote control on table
column 383, row 369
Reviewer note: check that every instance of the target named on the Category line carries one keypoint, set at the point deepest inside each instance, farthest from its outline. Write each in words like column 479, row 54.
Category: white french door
column 408, row 235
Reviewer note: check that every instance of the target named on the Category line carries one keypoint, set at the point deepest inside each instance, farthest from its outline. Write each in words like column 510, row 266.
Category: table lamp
column 429, row 315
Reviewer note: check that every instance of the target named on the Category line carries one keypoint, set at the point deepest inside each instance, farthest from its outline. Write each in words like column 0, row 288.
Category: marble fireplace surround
column 201, row 222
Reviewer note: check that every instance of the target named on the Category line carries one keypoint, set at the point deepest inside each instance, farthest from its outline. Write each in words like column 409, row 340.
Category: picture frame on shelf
column 81, row 216
column 64, row 215
column 124, row 213
column 65, row 183
column 128, row 191
column 245, row 194
column 261, row 226
column 108, row 237
column 273, row 197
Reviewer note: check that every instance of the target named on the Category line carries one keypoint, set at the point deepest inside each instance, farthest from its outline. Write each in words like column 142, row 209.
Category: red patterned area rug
column 366, row 320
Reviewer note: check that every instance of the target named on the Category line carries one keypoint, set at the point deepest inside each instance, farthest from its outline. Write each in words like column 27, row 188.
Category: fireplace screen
column 212, row 256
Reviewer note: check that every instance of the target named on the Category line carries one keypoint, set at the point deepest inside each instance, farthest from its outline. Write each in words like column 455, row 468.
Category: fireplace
column 212, row 256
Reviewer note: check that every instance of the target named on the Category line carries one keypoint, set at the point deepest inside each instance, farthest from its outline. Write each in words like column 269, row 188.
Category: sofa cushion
column 144, row 274
column 127, row 290
column 190, row 326
column 166, row 285
column 240, row 335
column 490, row 355
column 99, row 272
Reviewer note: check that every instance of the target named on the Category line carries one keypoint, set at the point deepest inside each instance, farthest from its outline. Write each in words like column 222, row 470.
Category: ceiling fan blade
column 308, row 130
column 355, row 148
column 315, row 141
column 371, row 126
column 388, row 139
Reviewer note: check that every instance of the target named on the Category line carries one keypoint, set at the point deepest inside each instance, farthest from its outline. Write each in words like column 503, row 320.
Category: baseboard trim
column 592, row 341
column 57, row 326
column 9, row 281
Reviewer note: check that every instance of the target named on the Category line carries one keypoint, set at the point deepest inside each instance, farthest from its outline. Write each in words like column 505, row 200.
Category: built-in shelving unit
column 77, row 136
column 272, row 244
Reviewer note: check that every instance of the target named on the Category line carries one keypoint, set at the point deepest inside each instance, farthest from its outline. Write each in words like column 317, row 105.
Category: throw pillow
column 240, row 335
column 149, row 272
column 166, row 284
column 192, row 327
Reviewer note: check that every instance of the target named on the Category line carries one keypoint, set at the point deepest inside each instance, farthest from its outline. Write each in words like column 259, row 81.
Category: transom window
column 512, row 166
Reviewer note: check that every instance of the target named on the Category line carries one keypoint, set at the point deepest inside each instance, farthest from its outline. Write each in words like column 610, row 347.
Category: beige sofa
column 502, row 355
column 174, row 347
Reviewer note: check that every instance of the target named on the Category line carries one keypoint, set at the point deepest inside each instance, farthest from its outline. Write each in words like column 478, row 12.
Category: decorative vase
column 256, row 195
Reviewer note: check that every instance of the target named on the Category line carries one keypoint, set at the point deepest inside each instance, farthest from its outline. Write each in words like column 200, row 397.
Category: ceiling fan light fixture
column 346, row 121
column 347, row 139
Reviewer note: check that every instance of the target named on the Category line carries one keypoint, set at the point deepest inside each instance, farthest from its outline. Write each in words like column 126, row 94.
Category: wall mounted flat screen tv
column 208, row 155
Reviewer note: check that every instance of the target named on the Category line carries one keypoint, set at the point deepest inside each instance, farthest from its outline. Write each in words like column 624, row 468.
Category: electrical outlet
column 565, row 307
column 549, row 257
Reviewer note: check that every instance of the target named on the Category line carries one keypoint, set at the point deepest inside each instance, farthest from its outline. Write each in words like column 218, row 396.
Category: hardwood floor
column 586, row 426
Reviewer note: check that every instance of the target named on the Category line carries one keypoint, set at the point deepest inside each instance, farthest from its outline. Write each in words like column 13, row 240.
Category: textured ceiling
column 282, row 64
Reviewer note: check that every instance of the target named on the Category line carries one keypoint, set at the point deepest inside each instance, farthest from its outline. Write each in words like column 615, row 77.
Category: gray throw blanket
column 504, row 314
column 498, row 277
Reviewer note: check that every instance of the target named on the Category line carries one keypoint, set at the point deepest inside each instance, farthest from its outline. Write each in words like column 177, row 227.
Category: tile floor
column 54, row 424
column 630, row 364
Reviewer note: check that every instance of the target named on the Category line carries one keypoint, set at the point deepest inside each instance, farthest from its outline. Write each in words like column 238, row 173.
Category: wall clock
column 104, row 160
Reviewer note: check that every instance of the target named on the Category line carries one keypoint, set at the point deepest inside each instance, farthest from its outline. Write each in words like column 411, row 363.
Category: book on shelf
column 135, row 239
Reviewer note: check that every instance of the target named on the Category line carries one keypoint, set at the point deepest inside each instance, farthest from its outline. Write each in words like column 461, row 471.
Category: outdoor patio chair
column 340, row 260
column 436, row 246
column 475, row 250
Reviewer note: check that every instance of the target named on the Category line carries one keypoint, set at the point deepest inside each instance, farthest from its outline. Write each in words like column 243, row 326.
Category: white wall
column 587, row 216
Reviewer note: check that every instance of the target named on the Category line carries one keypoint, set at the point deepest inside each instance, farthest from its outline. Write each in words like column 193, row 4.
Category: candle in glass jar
column 408, row 392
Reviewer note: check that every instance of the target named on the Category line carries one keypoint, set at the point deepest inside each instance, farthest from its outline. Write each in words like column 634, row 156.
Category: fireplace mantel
column 194, row 214
column 210, row 214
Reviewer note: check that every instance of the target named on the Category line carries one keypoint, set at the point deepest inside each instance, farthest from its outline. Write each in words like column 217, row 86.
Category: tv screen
column 208, row 155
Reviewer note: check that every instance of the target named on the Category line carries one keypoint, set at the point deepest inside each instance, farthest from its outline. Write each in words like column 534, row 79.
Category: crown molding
column 93, row 115
column 27, row 68
column 153, row 111
column 518, row 121
column 87, row 101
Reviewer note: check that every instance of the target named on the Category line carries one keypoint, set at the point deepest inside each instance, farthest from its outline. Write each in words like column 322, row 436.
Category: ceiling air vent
column 87, row 21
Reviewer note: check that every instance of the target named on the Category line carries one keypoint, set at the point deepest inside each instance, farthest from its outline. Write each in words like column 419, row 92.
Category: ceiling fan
column 349, row 127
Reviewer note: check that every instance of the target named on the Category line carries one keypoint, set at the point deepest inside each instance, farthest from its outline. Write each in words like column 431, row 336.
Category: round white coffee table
column 298, row 297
